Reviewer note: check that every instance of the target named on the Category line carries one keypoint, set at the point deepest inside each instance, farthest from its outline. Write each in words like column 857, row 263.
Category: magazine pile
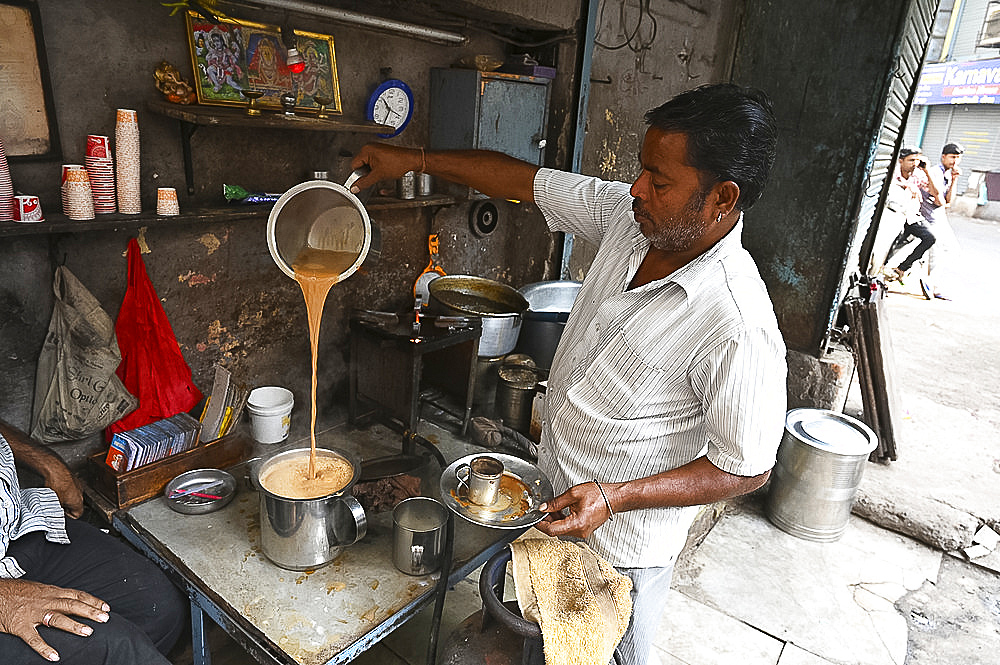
column 150, row 443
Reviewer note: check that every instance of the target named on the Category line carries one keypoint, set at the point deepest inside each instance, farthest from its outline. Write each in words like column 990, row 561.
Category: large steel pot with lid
column 499, row 306
column 323, row 216
column 820, row 463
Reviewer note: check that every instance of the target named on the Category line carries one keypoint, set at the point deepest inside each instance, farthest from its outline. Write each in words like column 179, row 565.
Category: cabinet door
column 512, row 117
column 502, row 112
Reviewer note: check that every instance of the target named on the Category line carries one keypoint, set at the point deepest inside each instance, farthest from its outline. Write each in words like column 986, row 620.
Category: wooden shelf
column 193, row 116
column 56, row 223
column 268, row 119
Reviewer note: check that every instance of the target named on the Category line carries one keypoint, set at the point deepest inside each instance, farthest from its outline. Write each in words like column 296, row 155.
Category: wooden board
column 135, row 486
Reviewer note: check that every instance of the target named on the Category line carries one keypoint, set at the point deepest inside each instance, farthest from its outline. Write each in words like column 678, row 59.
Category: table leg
column 470, row 387
column 442, row 589
column 199, row 641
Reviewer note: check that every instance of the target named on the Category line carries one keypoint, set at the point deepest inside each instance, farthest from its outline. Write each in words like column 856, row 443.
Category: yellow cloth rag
column 580, row 601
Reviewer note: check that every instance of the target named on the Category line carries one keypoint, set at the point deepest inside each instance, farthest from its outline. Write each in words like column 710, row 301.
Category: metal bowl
column 182, row 492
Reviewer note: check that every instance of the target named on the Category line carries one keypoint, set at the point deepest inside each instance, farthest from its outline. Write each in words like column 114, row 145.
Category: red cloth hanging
column 152, row 366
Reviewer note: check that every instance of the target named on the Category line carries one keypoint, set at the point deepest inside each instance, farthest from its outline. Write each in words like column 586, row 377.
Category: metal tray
column 217, row 487
column 514, row 509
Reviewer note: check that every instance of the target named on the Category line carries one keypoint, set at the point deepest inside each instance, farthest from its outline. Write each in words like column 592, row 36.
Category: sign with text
column 974, row 82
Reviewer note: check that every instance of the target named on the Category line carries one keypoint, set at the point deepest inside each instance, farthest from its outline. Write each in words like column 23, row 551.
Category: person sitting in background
column 913, row 178
column 67, row 589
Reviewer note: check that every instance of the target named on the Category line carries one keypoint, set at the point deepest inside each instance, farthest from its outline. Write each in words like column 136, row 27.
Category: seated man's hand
column 26, row 605
column 62, row 481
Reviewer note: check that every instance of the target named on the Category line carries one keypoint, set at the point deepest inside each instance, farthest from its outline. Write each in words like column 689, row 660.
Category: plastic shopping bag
column 152, row 366
column 76, row 390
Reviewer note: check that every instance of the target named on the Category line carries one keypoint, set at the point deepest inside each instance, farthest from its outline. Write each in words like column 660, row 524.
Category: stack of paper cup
column 65, row 168
column 166, row 202
column 101, row 171
column 127, row 161
column 6, row 188
column 78, row 201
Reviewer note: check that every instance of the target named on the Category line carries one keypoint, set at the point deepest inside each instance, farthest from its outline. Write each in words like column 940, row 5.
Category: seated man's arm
column 54, row 472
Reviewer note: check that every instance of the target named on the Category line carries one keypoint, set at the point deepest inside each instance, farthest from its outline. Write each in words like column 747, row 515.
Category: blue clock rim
column 385, row 85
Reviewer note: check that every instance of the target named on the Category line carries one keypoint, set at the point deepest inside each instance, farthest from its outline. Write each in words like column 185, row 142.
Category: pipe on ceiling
column 375, row 22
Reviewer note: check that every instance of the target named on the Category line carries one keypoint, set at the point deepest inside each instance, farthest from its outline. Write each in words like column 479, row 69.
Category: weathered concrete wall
column 825, row 65
column 692, row 44
column 225, row 298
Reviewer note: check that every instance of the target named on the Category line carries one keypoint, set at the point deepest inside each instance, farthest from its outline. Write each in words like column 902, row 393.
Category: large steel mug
column 302, row 534
column 418, row 535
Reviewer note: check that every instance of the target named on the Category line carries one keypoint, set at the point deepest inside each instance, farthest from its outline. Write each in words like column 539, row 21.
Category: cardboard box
column 124, row 489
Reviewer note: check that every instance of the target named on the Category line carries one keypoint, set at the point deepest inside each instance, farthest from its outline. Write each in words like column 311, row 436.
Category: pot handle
column 356, row 514
column 250, row 473
column 356, row 174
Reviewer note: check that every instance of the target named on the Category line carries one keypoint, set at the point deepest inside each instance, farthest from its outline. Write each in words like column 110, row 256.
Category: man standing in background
column 942, row 257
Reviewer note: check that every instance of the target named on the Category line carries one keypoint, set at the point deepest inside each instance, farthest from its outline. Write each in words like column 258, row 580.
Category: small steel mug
column 481, row 478
column 418, row 535
column 425, row 184
column 406, row 186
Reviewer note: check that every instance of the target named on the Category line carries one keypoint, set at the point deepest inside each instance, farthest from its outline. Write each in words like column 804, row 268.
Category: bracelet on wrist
column 611, row 512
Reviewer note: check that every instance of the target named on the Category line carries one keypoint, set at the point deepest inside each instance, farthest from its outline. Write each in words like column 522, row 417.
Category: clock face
column 391, row 104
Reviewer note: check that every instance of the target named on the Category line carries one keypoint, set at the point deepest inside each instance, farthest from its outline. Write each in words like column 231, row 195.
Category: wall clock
column 391, row 104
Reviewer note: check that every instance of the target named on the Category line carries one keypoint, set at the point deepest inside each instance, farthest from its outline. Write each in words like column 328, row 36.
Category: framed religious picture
column 229, row 57
column 27, row 109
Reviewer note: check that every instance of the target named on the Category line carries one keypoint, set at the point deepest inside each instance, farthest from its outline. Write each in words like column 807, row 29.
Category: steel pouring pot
column 303, row 534
column 322, row 215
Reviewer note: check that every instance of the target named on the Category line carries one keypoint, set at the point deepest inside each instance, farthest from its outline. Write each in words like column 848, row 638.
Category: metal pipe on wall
column 365, row 20
column 580, row 128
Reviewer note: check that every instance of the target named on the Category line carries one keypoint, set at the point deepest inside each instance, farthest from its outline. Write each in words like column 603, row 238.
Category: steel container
column 418, row 535
column 821, row 460
column 499, row 306
column 322, row 215
column 516, row 388
column 549, row 304
column 302, row 534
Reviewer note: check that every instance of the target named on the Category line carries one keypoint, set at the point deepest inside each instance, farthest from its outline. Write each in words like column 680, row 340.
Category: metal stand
column 387, row 369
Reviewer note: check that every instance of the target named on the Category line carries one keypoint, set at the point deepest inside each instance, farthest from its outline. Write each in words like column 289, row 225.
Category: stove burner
column 413, row 325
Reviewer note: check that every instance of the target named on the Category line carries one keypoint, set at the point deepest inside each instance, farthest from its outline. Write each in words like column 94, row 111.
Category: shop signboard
column 972, row 82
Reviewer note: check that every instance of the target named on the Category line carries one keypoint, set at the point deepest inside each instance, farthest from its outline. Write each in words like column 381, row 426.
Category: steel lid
column 831, row 431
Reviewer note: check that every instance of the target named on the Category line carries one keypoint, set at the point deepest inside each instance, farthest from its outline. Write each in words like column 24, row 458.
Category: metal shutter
column 977, row 127
column 936, row 131
column 916, row 35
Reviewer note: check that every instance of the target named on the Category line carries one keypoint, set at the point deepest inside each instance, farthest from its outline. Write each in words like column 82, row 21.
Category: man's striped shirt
column 649, row 379
column 23, row 511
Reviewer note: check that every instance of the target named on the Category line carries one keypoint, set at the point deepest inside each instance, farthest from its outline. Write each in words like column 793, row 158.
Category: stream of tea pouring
column 335, row 241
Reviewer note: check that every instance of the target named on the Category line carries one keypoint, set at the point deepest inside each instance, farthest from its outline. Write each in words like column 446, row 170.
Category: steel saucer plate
column 180, row 497
column 522, row 490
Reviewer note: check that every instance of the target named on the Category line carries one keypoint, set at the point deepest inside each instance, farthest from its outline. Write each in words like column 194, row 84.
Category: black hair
column 731, row 134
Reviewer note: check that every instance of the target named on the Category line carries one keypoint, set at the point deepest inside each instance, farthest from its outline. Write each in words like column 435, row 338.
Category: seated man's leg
column 147, row 611
column 926, row 236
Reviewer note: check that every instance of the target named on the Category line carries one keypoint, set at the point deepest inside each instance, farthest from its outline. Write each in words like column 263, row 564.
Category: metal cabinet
column 489, row 111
